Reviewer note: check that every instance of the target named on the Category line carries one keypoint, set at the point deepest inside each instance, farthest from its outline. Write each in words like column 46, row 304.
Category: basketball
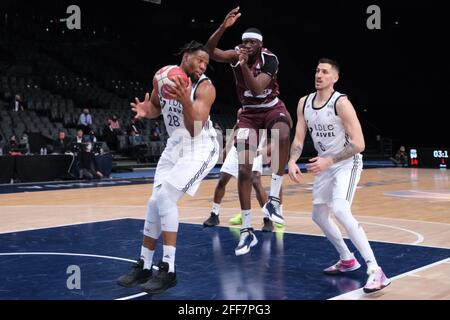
column 164, row 77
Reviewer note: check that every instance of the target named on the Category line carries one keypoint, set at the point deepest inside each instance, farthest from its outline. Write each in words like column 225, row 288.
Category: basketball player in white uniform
column 230, row 168
column 336, row 132
column 191, row 152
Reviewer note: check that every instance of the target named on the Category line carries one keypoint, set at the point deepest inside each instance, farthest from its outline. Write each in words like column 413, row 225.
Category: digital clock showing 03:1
column 440, row 154
column 429, row 157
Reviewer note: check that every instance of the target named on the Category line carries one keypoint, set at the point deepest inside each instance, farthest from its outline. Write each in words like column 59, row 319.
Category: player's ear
column 185, row 57
column 336, row 77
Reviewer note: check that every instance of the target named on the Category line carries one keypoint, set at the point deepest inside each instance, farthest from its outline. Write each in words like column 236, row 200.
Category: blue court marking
column 281, row 266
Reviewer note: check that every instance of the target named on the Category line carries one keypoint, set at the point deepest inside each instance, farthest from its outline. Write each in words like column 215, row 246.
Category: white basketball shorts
column 338, row 182
column 185, row 164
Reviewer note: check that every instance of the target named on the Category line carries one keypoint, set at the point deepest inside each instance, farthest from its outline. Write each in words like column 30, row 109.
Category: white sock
column 169, row 256
column 281, row 209
column 215, row 208
column 246, row 219
column 275, row 185
column 147, row 256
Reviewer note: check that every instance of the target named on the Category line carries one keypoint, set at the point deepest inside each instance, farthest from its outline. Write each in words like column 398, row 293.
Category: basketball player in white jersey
column 336, row 132
column 191, row 152
column 230, row 168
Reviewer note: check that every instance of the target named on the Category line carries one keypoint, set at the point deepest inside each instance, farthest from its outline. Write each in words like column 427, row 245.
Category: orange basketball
column 164, row 78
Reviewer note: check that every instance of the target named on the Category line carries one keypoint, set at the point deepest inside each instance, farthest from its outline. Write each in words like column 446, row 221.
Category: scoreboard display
column 429, row 157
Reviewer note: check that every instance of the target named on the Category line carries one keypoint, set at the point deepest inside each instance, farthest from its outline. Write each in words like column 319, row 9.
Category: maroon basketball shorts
column 252, row 120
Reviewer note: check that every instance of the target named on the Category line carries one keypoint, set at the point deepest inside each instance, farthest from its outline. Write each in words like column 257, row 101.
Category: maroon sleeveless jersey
column 266, row 62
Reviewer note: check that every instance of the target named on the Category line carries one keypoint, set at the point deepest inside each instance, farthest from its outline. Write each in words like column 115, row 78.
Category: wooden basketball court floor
column 394, row 205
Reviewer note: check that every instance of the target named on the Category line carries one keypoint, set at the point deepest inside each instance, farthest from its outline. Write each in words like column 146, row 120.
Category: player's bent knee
column 152, row 229
column 152, row 226
column 168, row 197
column 245, row 172
column 341, row 207
column 320, row 214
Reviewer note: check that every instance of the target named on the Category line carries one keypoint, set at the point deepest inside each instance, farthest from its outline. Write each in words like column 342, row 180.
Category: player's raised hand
column 141, row 108
column 231, row 18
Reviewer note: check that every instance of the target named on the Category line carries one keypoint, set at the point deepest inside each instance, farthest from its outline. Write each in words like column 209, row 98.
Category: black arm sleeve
column 270, row 65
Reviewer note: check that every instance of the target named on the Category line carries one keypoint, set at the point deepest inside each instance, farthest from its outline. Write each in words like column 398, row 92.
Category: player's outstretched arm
column 228, row 56
column 149, row 108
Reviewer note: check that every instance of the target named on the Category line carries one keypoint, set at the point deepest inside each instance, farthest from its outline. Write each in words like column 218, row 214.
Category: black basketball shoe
column 136, row 275
column 212, row 221
column 268, row 225
column 161, row 280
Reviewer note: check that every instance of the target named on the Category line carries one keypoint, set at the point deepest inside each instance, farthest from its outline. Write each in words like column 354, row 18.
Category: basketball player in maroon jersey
column 255, row 70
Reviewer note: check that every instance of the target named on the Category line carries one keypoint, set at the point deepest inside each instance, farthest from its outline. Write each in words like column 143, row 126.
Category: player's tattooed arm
column 349, row 151
column 296, row 152
column 355, row 143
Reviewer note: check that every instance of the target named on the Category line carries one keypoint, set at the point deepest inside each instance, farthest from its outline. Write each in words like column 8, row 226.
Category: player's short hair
column 331, row 62
column 192, row 47
column 254, row 30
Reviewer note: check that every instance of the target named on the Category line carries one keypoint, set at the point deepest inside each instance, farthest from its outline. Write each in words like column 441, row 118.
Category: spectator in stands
column 62, row 144
column 110, row 136
column 80, row 138
column 18, row 104
column 24, row 144
column 401, row 157
column 85, row 121
column 134, row 138
column 115, row 125
column 136, row 147
column 92, row 136
column 13, row 147
column 87, row 165
column 136, row 126
column 155, row 133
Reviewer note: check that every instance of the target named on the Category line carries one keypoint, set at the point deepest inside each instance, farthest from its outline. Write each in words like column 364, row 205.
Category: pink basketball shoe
column 343, row 266
column 377, row 280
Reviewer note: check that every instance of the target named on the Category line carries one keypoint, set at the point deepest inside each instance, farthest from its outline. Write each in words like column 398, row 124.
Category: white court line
column 420, row 237
column 359, row 293
column 65, row 225
column 137, row 295
column 414, row 275
column 65, row 254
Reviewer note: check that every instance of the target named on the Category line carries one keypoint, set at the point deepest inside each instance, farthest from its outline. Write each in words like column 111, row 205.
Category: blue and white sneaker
column 246, row 241
column 272, row 210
